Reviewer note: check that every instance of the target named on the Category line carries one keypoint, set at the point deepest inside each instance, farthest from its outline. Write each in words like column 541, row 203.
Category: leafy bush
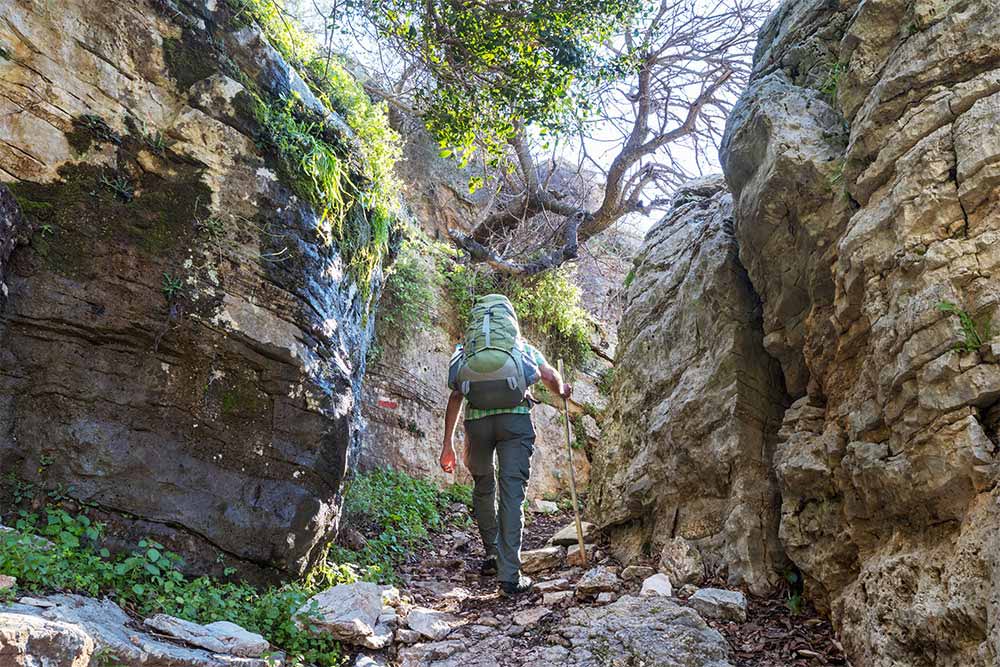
column 975, row 334
column 149, row 580
column 400, row 511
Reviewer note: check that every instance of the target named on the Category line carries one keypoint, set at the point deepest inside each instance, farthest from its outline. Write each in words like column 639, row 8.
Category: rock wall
column 864, row 160
column 179, row 347
column 695, row 405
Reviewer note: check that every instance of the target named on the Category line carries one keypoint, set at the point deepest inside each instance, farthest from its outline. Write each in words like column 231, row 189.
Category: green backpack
column 493, row 368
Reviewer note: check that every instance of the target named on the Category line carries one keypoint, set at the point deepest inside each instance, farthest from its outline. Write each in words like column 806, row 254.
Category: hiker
column 492, row 371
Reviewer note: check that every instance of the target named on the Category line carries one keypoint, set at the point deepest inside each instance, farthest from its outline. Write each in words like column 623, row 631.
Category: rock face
column 865, row 156
column 179, row 346
column 74, row 631
column 696, row 402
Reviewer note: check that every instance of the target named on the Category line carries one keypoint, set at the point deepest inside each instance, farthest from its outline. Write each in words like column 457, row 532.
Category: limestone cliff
column 863, row 165
column 180, row 347
column 695, row 406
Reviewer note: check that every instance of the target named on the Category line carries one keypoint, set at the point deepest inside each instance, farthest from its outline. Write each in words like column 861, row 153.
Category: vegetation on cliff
column 356, row 193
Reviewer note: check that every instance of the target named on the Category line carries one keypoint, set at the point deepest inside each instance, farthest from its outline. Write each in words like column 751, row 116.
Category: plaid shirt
column 522, row 409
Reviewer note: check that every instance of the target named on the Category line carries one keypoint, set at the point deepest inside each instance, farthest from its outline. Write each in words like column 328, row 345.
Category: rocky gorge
column 805, row 395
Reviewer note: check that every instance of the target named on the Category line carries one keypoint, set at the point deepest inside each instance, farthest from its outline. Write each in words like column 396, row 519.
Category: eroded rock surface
column 631, row 630
column 179, row 346
column 75, row 631
column 696, row 403
column 864, row 163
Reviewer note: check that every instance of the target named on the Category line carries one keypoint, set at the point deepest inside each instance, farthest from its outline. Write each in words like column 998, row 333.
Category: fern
column 975, row 333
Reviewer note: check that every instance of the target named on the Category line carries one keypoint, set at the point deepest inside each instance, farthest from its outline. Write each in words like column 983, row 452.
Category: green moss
column 239, row 396
column 187, row 60
column 76, row 218
column 88, row 130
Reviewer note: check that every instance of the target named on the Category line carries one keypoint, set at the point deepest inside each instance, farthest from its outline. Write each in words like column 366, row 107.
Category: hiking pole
column 572, row 475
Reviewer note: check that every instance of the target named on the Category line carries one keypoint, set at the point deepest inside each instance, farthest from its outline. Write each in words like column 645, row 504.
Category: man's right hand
column 448, row 458
column 566, row 390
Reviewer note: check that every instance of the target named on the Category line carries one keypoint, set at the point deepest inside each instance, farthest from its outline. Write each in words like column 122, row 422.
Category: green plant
column 399, row 512
column 975, row 334
column 838, row 173
column 829, row 85
column 357, row 195
column 171, row 286
column 149, row 580
column 212, row 227
column 119, row 185
column 47, row 230
column 793, row 596
column 409, row 298
column 156, row 142
column 548, row 306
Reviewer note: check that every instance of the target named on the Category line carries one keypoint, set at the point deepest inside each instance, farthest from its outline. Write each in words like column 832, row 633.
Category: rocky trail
column 593, row 615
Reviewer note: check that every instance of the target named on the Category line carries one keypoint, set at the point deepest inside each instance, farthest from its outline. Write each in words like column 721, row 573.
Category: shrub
column 398, row 512
column 548, row 306
column 410, row 296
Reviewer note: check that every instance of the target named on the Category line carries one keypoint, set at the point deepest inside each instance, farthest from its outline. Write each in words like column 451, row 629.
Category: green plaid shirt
column 523, row 409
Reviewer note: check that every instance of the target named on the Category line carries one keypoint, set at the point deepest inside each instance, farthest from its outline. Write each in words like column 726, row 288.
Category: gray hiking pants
column 500, row 517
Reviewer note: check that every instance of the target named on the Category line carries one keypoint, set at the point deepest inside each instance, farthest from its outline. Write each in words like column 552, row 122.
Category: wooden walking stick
column 572, row 475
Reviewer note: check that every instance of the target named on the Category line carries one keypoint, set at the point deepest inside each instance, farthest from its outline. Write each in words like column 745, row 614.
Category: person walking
column 491, row 372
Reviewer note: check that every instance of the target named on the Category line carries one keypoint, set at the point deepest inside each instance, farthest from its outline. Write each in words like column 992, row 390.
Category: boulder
column 556, row 598
column 73, row 631
column 434, row 625
column 147, row 209
column 597, row 580
column 690, row 414
column 552, row 585
column 30, row 640
column 682, row 562
column 860, row 210
column 540, row 560
column 573, row 554
column 636, row 572
column 567, row 536
column 658, row 584
column 353, row 613
column 719, row 604
column 545, row 506
column 218, row 637
column 7, row 582
column 529, row 617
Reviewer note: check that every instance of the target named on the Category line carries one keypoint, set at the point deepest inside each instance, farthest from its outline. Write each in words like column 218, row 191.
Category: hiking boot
column 513, row 589
column 488, row 568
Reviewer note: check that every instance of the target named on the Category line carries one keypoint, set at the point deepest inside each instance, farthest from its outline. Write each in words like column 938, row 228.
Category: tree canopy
column 535, row 89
